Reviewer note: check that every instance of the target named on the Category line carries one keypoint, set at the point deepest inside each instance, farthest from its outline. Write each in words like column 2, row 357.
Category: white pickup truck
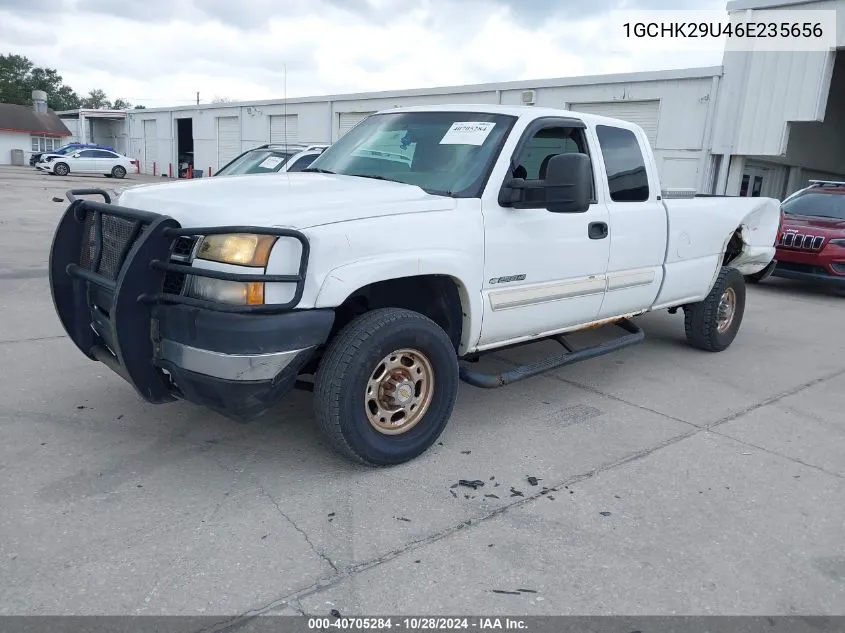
column 423, row 238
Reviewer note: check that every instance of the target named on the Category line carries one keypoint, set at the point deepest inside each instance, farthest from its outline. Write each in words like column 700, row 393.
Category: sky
column 162, row 52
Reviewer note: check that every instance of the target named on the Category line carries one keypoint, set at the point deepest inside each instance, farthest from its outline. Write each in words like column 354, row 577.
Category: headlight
column 837, row 242
column 237, row 248
column 223, row 291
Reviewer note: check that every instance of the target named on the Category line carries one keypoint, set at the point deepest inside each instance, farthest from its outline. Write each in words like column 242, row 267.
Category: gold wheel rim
column 726, row 310
column 399, row 391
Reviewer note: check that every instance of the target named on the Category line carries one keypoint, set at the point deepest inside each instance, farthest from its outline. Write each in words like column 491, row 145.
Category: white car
column 271, row 159
column 87, row 161
column 420, row 240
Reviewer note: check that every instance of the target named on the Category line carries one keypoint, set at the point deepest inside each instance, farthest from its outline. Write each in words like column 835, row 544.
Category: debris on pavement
column 527, row 591
column 534, row 481
column 516, row 493
column 510, row 593
column 58, row 199
column 474, row 484
column 605, row 514
column 334, row 613
column 402, row 519
column 492, row 496
column 454, row 494
column 465, row 452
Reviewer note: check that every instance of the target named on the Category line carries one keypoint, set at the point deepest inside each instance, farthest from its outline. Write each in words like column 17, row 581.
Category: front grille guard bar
column 110, row 320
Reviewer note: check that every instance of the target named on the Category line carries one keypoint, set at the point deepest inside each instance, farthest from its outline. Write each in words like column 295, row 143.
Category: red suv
column 811, row 244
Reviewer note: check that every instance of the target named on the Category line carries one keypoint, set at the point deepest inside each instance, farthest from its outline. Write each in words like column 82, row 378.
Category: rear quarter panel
column 699, row 232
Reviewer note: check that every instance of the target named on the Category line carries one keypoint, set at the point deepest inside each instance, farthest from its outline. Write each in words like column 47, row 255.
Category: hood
column 799, row 223
column 296, row 200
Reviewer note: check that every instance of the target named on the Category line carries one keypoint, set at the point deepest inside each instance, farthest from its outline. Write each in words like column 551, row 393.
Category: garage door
column 150, row 143
column 228, row 139
column 643, row 113
column 283, row 129
column 348, row 120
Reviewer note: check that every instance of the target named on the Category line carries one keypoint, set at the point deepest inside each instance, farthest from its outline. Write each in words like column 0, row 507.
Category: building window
column 45, row 143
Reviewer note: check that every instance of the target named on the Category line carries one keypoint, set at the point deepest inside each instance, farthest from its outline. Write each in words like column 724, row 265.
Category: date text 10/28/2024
column 417, row 624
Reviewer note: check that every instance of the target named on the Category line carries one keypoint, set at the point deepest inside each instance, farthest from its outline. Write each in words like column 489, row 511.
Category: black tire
column 351, row 361
column 763, row 275
column 118, row 171
column 702, row 319
column 61, row 169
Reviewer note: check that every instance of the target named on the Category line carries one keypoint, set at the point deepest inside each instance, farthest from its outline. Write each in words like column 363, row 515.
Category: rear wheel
column 61, row 169
column 712, row 324
column 386, row 386
column 118, row 171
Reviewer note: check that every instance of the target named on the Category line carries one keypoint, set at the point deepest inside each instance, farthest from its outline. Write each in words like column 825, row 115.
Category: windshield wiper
column 318, row 170
column 372, row 176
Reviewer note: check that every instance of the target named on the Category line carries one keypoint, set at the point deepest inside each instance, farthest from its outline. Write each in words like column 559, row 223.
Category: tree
column 96, row 100
column 222, row 100
column 121, row 104
column 140, row 107
column 19, row 77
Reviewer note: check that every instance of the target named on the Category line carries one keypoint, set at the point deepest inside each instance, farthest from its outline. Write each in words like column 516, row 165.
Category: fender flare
column 341, row 282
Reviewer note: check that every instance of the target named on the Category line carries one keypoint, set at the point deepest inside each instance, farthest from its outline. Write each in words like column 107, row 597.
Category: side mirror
column 569, row 183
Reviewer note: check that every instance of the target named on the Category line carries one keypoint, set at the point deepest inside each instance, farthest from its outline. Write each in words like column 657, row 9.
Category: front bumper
column 107, row 276
column 811, row 274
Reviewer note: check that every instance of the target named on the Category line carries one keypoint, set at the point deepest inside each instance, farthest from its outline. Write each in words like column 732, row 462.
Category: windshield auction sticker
column 270, row 162
column 467, row 133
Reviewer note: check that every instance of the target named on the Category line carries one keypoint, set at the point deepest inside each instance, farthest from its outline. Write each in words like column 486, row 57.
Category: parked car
column 67, row 149
column 811, row 243
column 269, row 159
column 88, row 161
column 384, row 281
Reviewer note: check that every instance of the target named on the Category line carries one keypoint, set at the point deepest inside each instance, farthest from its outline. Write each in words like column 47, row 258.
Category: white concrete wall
column 14, row 140
column 111, row 132
column 764, row 90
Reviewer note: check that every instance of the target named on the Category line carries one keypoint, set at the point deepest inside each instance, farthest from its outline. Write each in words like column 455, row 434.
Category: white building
column 104, row 127
column 673, row 106
column 25, row 130
column 763, row 123
column 780, row 120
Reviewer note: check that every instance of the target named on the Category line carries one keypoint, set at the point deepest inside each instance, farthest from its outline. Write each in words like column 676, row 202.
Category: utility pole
column 198, row 98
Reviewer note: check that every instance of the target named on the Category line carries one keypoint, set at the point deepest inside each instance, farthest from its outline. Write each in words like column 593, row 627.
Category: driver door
column 544, row 272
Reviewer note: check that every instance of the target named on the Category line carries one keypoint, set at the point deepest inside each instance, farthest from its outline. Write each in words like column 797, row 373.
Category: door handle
column 597, row 230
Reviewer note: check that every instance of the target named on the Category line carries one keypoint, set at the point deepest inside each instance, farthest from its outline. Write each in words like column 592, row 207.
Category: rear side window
column 624, row 163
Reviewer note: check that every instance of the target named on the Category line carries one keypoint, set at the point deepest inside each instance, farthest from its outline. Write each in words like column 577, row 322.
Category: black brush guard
column 107, row 271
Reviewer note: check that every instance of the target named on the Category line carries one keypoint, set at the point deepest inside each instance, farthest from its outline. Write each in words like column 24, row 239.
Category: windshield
column 257, row 161
column 446, row 153
column 819, row 205
column 63, row 150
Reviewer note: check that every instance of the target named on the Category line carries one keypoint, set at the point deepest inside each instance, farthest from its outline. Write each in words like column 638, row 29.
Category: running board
column 491, row 381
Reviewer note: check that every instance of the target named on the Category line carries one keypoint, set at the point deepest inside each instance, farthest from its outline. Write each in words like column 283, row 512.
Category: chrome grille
column 801, row 241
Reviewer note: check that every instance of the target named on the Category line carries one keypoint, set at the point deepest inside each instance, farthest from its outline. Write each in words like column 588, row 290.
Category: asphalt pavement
column 659, row 480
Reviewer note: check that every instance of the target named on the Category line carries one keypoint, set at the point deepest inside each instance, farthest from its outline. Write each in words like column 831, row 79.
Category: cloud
column 161, row 52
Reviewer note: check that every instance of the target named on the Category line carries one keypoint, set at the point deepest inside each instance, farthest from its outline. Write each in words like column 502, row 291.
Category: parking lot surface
column 669, row 480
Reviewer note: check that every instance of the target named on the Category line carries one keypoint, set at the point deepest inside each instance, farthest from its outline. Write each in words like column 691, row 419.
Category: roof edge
column 744, row 5
column 523, row 84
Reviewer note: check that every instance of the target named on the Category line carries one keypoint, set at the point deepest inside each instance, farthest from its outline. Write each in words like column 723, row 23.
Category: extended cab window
column 548, row 142
column 624, row 163
column 533, row 160
column 445, row 153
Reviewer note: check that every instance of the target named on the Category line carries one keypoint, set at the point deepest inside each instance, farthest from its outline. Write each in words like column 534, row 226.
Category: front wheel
column 386, row 387
column 61, row 169
column 712, row 324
